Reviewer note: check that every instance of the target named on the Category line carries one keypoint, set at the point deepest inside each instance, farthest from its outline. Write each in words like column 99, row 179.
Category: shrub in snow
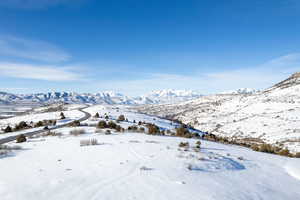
column 240, row 158
column 184, row 144
column 39, row 124
column 255, row 147
column 132, row 128
column 143, row 168
column 151, row 141
column 75, row 123
column 102, row 124
column 121, row 118
column 22, row 125
column 210, row 136
column 198, row 146
column 50, row 133
column 183, row 132
column 118, row 128
column 77, row 132
column 97, row 115
column 21, row 138
column 190, row 167
column 134, row 141
column 142, row 129
column 62, row 115
column 153, row 129
column 94, row 142
column 111, row 125
column 89, row 142
column 107, row 132
column 8, row 129
column 284, row 152
column 297, row 155
column 44, row 123
column 267, row 148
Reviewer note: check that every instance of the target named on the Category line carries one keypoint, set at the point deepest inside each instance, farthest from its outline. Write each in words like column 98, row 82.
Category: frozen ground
column 139, row 166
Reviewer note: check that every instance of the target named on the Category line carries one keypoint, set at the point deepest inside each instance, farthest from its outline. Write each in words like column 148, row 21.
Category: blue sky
column 135, row 46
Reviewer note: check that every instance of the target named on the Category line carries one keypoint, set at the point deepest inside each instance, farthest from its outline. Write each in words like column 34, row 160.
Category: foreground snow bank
column 138, row 166
column 293, row 168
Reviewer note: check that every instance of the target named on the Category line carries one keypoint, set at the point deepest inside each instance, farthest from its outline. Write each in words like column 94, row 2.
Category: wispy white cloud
column 288, row 61
column 47, row 73
column 31, row 49
column 259, row 77
column 31, row 4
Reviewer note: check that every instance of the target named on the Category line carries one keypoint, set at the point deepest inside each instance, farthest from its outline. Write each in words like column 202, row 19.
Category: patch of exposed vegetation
column 75, row 123
column 89, row 142
column 77, row 132
column 21, row 138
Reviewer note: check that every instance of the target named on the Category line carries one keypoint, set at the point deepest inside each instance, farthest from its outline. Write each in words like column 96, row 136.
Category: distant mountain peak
column 241, row 91
column 171, row 96
column 172, row 92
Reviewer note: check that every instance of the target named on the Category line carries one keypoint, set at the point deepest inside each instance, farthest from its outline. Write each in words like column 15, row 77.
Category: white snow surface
column 293, row 169
column 140, row 166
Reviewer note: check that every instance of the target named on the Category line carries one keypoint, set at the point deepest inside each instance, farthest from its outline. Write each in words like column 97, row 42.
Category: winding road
column 28, row 134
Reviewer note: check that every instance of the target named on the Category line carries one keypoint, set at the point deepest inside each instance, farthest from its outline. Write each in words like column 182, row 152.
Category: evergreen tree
column 62, row 115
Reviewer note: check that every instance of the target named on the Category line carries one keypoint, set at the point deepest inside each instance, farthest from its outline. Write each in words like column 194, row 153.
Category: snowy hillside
column 271, row 116
column 132, row 165
column 109, row 97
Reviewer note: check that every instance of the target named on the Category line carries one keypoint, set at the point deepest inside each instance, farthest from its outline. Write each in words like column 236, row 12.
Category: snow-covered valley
column 135, row 165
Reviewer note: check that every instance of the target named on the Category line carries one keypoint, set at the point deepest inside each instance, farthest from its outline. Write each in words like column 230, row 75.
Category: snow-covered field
column 140, row 166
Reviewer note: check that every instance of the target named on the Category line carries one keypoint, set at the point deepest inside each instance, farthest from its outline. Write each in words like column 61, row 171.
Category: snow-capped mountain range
column 108, row 97
column 242, row 91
